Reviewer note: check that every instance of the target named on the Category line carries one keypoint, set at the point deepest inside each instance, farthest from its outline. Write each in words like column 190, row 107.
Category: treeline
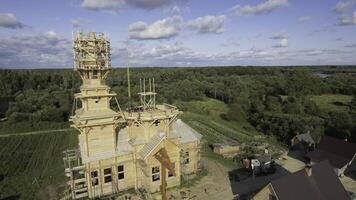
column 275, row 100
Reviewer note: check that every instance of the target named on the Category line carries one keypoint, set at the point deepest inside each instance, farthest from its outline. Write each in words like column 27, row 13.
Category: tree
column 339, row 124
column 292, row 106
column 273, row 103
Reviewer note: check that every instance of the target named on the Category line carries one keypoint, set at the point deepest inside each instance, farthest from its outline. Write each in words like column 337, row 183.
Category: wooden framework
column 118, row 149
column 163, row 158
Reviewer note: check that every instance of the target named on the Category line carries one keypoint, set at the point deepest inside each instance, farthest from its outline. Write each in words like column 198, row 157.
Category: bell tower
column 93, row 116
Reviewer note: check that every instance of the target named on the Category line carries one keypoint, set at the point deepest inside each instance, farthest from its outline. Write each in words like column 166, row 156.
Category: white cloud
column 113, row 5
column 304, row 18
column 176, row 10
column 161, row 55
column 342, row 6
column 208, row 24
column 51, row 35
column 77, row 23
column 283, row 40
column 346, row 20
column 282, row 43
column 148, row 4
column 177, row 54
column 279, row 36
column 265, row 7
column 351, row 45
column 161, row 29
column 9, row 20
column 37, row 50
column 102, row 4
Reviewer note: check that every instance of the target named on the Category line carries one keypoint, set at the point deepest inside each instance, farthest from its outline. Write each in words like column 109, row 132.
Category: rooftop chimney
column 308, row 169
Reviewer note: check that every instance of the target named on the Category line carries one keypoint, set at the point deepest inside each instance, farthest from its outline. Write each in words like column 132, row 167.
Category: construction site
column 146, row 148
column 146, row 151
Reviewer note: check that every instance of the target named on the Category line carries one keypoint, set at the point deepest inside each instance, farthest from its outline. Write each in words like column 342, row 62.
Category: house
column 303, row 142
column 316, row 183
column 226, row 150
column 341, row 154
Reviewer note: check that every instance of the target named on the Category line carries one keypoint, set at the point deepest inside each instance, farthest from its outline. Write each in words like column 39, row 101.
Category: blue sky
column 38, row 33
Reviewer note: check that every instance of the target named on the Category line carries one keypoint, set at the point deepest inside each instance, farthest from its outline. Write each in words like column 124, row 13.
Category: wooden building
column 227, row 150
column 119, row 150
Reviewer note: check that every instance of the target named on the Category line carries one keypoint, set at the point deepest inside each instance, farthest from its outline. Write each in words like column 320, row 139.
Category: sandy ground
column 215, row 185
column 218, row 185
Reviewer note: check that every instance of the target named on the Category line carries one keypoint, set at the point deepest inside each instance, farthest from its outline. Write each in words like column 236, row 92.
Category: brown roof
column 337, row 151
column 322, row 184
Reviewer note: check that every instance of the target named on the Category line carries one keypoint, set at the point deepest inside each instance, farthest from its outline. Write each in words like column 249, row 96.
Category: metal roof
column 321, row 184
column 338, row 152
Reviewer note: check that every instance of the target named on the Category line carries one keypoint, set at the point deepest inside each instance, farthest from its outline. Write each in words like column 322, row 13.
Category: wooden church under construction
column 146, row 148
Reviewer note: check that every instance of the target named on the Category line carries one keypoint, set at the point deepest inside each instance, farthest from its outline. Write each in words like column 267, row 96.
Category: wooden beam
column 163, row 158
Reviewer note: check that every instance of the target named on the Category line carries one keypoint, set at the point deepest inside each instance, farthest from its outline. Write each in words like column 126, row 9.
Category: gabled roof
column 322, row 184
column 295, row 186
column 338, row 152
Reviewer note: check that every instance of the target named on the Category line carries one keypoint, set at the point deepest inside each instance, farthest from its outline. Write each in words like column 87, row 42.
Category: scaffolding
column 92, row 55
column 147, row 98
column 75, row 171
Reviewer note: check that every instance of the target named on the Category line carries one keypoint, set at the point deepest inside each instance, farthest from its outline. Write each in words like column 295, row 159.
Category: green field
column 7, row 127
column 205, row 117
column 332, row 102
column 32, row 166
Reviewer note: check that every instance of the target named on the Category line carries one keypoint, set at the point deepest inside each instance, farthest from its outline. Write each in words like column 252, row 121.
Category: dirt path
column 36, row 132
column 215, row 185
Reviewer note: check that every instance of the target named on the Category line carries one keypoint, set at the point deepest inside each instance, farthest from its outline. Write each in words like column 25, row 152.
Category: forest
column 276, row 101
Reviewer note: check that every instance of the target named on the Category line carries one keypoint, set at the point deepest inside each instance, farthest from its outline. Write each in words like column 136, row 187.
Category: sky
column 167, row 33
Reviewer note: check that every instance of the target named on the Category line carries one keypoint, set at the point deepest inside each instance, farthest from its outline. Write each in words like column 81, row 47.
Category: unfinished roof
column 338, row 152
column 185, row 132
column 125, row 143
column 322, row 184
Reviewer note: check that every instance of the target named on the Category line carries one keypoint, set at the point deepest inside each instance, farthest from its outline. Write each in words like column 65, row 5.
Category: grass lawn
column 205, row 117
column 332, row 102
